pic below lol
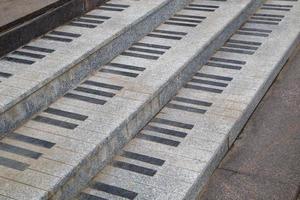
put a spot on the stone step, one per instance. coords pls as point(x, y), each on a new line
point(173, 156)
point(56, 153)
point(36, 74)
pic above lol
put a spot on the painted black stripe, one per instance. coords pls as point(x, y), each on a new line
point(84, 98)
point(277, 5)
point(199, 9)
point(239, 51)
point(266, 19)
point(146, 50)
point(110, 9)
point(13, 164)
point(238, 46)
point(158, 140)
point(262, 22)
point(226, 66)
point(244, 42)
point(103, 85)
point(143, 158)
point(18, 60)
point(85, 196)
point(31, 140)
point(92, 21)
point(114, 190)
point(58, 39)
point(152, 45)
point(55, 122)
point(111, 71)
point(5, 75)
point(96, 16)
point(223, 78)
point(27, 54)
point(252, 34)
point(180, 24)
point(268, 15)
point(19, 151)
point(256, 30)
point(185, 108)
point(184, 20)
point(270, 8)
point(130, 67)
point(116, 5)
point(207, 89)
point(67, 114)
point(82, 25)
point(137, 55)
point(95, 92)
point(169, 32)
point(172, 123)
point(190, 16)
point(165, 131)
point(203, 6)
point(67, 34)
point(225, 60)
point(192, 101)
point(206, 82)
point(39, 49)
point(164, 36)
point(134, 168)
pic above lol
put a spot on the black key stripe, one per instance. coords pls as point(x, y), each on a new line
point(5, 75)
point(82, 25)
point(66, 114)
point(238, 51)
point(18, 60)
point(19, 151)
point(143, 158)
point(91, 21)
point(164, 36)
point(190, 16)
point(30, 140)
point(172, 123)
point(180, 24)
point(123, 66)
point(103, 85)
point(185, 108)
point(244, 42)
point(158, 140)
point(39, 49)
point(121, 73)
point(225, 66)
point(206, 82)
point(166, 131)
point(94, 92)
point(185, 20)
point(238, 46)
point(27, 54)
point(211, 76)
point(134, 168)
point(225, 60)
point(13, 164)
point(96, 17)
point(137, 49)
point(66, 34)
point(55, 122)
point(58, 39)
point(170, 32)
point(137, 55)
point(151, 45)
point(114, 190)
point(85, 99)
